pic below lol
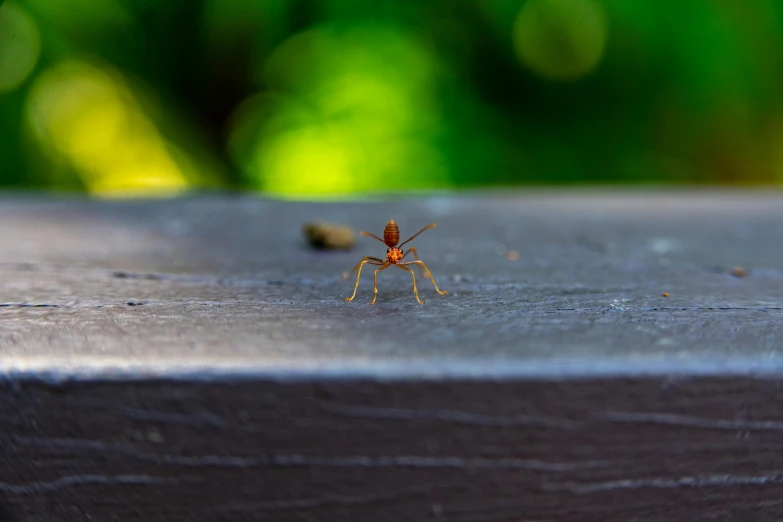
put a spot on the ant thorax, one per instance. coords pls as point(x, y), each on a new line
point(394, 254)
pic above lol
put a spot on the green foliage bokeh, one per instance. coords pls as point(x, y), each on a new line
point(323, 98)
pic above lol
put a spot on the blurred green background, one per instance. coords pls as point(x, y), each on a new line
point(334, 98)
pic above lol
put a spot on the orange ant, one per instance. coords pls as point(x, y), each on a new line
point(394, 256)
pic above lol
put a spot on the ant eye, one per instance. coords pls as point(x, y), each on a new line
point(388, 250)
point(400, 251)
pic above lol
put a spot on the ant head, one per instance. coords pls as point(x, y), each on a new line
point(394, 254)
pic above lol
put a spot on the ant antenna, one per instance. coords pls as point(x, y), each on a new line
point(431, 225)
point(372, 235)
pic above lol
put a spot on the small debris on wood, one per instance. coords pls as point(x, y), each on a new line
point(329, 236)
point(738, 271)
point(502, 250)
point(459, 278)
point(591, 243)
point(155, 435)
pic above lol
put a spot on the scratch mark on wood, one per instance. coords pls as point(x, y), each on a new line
point(663, 483)
point(197, 279)
point(715, 309)
point(335, 500)
point(300, 460)
point(194, 419)
point(692, 422)
point(637, 309)
point(445, 415)
point(29, 305)
point(32, 488)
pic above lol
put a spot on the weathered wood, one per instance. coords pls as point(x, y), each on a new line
point(195, 360)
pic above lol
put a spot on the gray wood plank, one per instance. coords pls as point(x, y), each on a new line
point(195, 360)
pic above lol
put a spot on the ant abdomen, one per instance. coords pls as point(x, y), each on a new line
point(391, 234)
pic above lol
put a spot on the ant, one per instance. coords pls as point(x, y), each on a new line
point(394, 256)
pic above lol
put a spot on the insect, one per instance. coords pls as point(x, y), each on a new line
point(394, 257)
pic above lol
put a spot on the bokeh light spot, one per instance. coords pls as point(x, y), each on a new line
point(308, 161)
point(87, 117)
point(560, 39)
point(20, 46)
point(349, 110)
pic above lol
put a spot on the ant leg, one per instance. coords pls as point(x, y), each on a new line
point(365, 258)
point(375, 282)
point(415, 291)
point(429, 274)
point(416, 257)
point(359, 266)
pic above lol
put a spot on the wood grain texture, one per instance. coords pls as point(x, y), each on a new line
point(194, 360)
point(619, 449)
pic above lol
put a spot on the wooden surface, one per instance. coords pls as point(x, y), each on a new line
point(195, 360)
